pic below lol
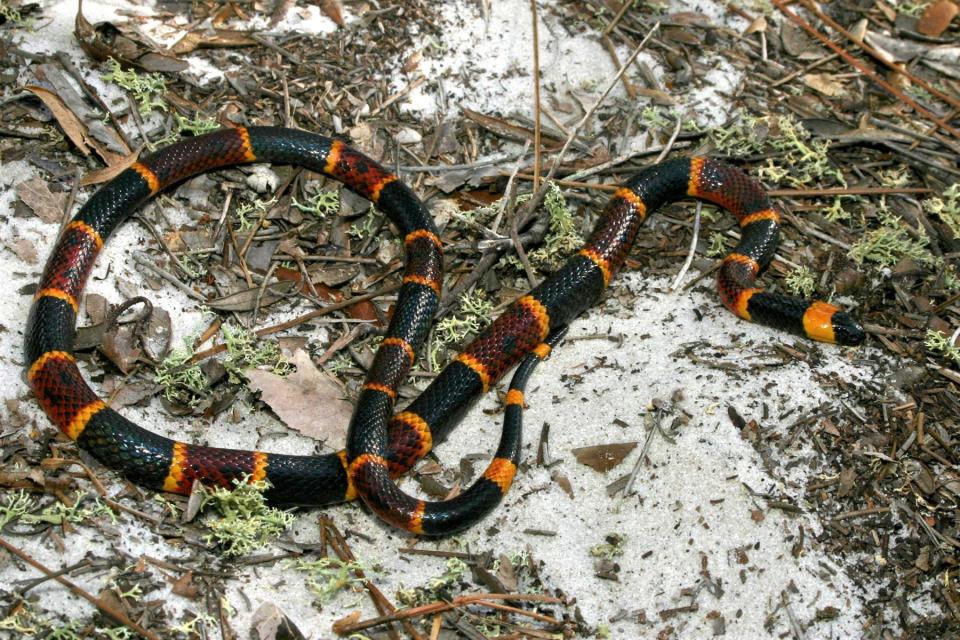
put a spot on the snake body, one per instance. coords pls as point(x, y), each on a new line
point(381, 442)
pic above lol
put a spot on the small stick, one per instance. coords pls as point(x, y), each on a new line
point(289, 324)
point(141, 259)
point(833, 24)
point(389, 101)
point(30, 584)
point(114, 614)
point(340, 547)
point(693, 248)
point(71, 198)
point(673, 138)
point(345, 628)
point(780, 4)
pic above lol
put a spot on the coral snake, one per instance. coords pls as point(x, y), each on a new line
point(382, 443)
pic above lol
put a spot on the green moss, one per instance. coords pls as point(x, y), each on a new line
point(947, 208)
point(14, 506)
point(887, 245)
point(365, 228)
point(246, 351)
point(20, 507)
point(562, 237)
point(838, 211)
point(326, 577)
point(196, 626)
point(915, 9)
point(941, 344)
point(474, 313)
point(801, 282)
point(245, 522)
point(801, 160)
point(181, 384)
point(717, 245)
point(13, 15)
point(147, 89)
point(320, 204)
point(249, 212)
point(437, 588)
point(194, 126)
point(612, 548)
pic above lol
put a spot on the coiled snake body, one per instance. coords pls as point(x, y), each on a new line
point(383, 443)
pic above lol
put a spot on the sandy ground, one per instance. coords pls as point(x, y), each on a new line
point(699, 509)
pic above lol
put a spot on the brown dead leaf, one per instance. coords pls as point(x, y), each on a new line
point(25, 250)
point(110, 172)
point(344, 622)
point(308, 400)
point(186, 587)
point(563, 482)
point(659, 97)
point(124, 43)
point(603, 457)
point(45, 204)
point(937, 18)
point(269, 623)
point(121, 346)
point(363, 310)
point(68, 121)
point(333, 9)
point(506, 575)
point(825, 83)
point(211, 39)
point(246, 299)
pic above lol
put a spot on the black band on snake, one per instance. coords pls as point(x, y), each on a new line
point(382, 443)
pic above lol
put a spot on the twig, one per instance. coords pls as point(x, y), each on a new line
point(833, 24)
point(141, 259)
point(693, 248)
point(289, 324)
point(338, 543)
point(589, 114)
point(862, 68)
point(114, 614)
point(346, 628)
point(389, 101)
point(673, 138)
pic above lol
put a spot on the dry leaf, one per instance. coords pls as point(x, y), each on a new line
point(308, 400)
point(344, 622)
point(563, 482)
point(121, 346)
point(659, 97)
point(758, 25)
point(105, 40)
point(110, 172)
point(37, 196)
point(936, 19)
point(333, 10)
point(69, 122)
point(246, 300)
point(603, 457)
point(210, 39)
point(825, 83)
point(269, 623)
point(186, 587)
point(25, 250)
